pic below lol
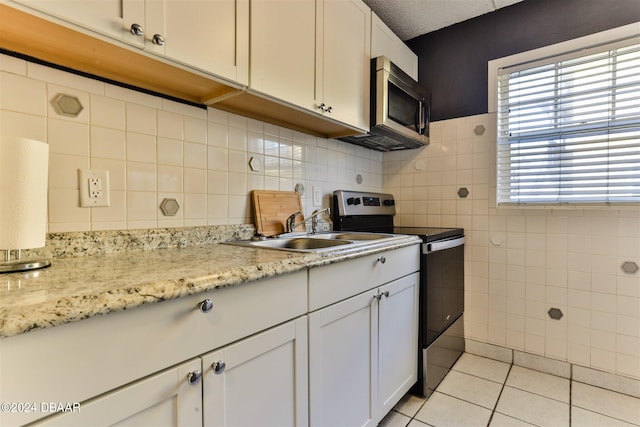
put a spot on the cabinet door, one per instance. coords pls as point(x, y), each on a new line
point(164, 399)
point(211, 35)
point(397, 341)
point(384, 42)
point(283, 55)
point(150, 22)
point(103, 16)
point(344, 74)
point(259, 381)
point(341, 362)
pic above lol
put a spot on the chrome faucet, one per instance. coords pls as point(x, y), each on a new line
point(291, 222)
point(291, 225)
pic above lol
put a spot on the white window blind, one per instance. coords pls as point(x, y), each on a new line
point(569, 128)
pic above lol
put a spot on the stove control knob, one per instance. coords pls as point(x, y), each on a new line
point(389, 202)
point(357, 201)
point(350, 201)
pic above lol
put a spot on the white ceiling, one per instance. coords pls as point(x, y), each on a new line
point(412, 18)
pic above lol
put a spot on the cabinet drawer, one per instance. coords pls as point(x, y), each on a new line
point(165, 398)
point(79, 360)
point(342, 280)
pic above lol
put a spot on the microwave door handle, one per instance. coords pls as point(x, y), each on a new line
point(419, 118)
point(421, 122)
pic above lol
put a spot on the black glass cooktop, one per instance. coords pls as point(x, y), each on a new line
point(430, 234)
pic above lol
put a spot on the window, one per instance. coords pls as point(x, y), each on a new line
point(569, 128)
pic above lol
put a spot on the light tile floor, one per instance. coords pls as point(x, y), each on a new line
point(485, 392)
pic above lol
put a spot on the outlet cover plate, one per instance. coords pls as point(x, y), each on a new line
point(317, 197)
point(94, 188)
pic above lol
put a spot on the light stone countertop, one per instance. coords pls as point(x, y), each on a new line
point(76, 288)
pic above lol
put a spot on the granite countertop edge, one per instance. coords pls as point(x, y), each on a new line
point(142, 284)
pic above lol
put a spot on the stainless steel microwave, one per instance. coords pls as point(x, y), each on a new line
point(399, 110)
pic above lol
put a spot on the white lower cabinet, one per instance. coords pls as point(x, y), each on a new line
point(164, 399)
point(397, 341)
point(342, 338)
point(259, 381)
point(363, 354)
point(331, 346)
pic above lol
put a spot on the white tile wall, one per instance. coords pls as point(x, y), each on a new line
point(155, 148)
point(521, 262)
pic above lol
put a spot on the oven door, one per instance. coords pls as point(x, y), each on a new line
point(443, 286)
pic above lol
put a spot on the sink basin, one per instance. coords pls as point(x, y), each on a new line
point(353, 236)
point(303, 244)
point(318, 242)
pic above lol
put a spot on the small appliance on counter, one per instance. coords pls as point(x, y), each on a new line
point(441, 325)
point(399, 112)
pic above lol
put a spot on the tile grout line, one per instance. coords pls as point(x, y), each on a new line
point(570, 392)
point(413, 417)
point(484, 378)
point(502, 389)
point(504, 384)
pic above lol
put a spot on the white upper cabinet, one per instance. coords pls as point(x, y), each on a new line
point(345, 53)
point(313, 54)
point(209, 35)
point(385, 42)
point(283, 55)
point(102, 16)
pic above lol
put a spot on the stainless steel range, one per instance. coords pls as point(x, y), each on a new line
point(441, 330)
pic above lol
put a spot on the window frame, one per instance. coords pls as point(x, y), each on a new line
point(529, 59)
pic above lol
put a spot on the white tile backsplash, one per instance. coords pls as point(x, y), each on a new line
point(107, 143)
point(107, 112)
point(67, 137)
point(23, 95)
point(141, 119)
point(520, 262)
point(155, 148)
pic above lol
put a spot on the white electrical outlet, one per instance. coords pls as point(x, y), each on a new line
point(94, 188)
point(317, 197)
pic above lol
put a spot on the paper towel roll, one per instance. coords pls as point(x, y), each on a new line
point(24, 165)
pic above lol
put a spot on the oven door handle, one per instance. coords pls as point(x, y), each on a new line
point(442, 245)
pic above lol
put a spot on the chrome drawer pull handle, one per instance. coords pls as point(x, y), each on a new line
point(206, 305)
point(218, 367)
point(382, 260)
point(325, 108)
point(137, 30)
point(193, 378)
point(157, 40)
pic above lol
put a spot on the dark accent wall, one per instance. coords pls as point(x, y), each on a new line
point(453, 60)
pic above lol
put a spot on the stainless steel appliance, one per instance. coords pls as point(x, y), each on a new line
point(399, 110)
point(441, 329)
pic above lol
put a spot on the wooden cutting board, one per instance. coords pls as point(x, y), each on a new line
point(272, 208)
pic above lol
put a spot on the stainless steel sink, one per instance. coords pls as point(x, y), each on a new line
point(352, 236)
point(296, 243)
point(317, 242)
